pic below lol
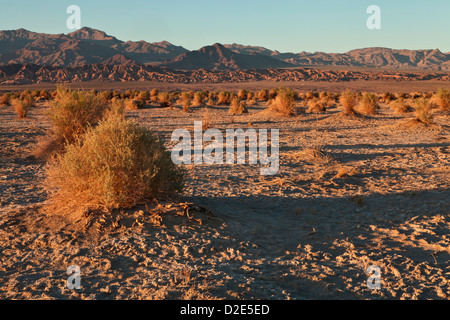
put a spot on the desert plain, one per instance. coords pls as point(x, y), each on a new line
point(351, 192)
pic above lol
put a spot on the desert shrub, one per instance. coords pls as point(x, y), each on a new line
point(348, 101)
point(186, 101)
point(198, 99)
point(133, 104)
point(106, 95)
point(250, 95)
point(423, 111)
point(402, 95)
point(165, 100)
point(263, 95)
point(237, 107)
point(116, 164)
point(21, 107)
point(5, 99)
point(154, 92)
point(324, 96)
point(251, 102)
point(400, 106)
point(311, 95)
point(443, 99)
point(27, 98)
point(115, 109)
point(242, 94)
point(427, 95)
point(143, 96)
point(223, 98)
point(73, 111)
point(36, 94)
point(316, 106)
point(369, 103)
point(45, 95)
point(388, 97)
point(284, 102)
point(273, 93)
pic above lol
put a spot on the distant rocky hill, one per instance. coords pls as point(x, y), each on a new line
point(15, 74)
point(217, 57)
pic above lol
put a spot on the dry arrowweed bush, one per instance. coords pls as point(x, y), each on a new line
point(242, 94)
point(369, 103)
point(164, 99)
point(143, 96)
point(423, 111)
point(5, 99)
point(186, 101)
point(237, 107)
point(73, 111)
point(223, 98)
point(198, 99)
point(115, 109)
point(284, 102)
point(442, 99)
point(387, 97)
point(348, 101)
point(116, 164)
point(316, 106)
point(21, 107)
point(400, 106)
point(133, 104)
point(263, 95)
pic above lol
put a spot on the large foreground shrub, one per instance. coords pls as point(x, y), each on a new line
point(116, 164)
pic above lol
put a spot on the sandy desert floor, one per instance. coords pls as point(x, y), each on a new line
point(380, 197)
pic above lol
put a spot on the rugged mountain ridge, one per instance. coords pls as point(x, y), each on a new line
point(90, 46)
point(82, 47)
point(377, 57)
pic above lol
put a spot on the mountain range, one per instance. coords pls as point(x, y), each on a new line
point(88, 46)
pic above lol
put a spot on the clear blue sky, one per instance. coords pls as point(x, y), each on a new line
point(284, 25)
